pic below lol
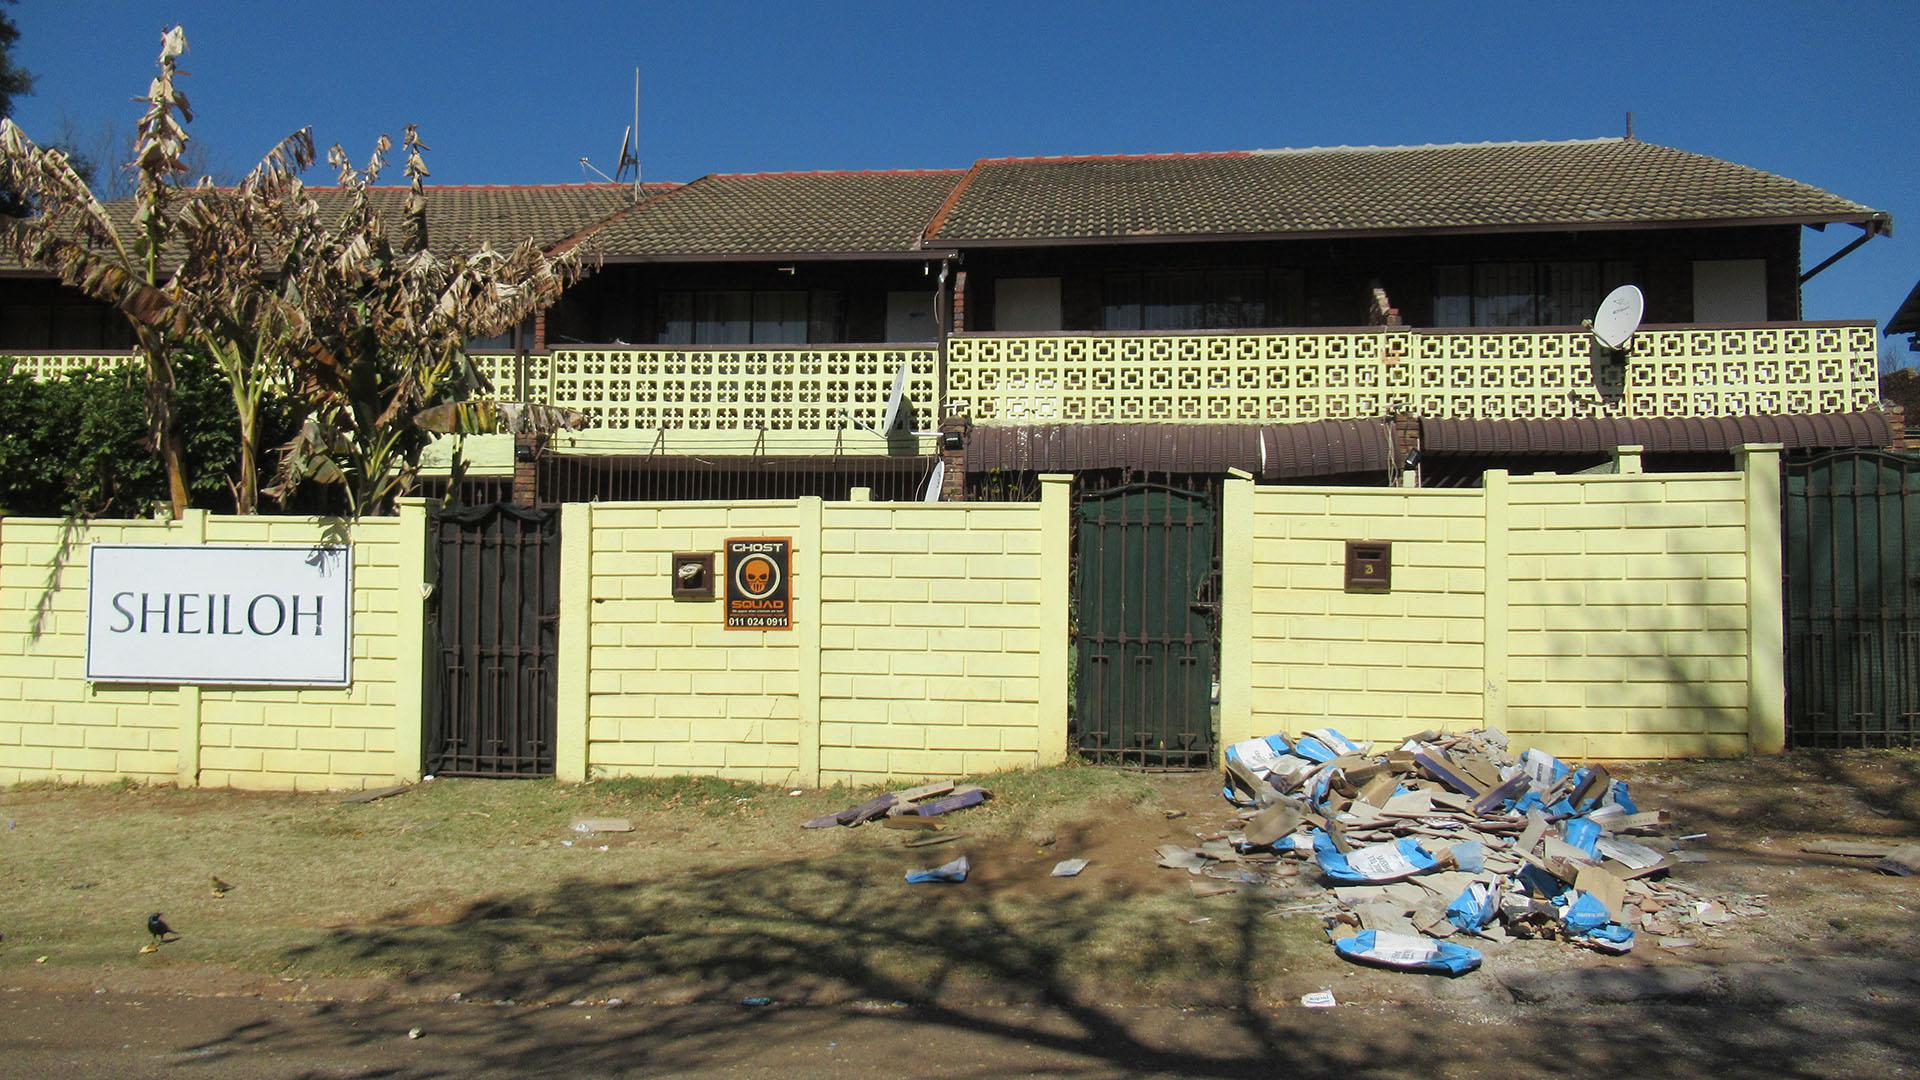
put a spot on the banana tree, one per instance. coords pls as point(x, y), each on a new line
point(231, 296)
point(71, 234)
point(377, 329)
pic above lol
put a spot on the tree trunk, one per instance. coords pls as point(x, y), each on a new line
point(246, 496)
point(166, 436)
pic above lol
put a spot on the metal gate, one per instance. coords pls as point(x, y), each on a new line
point(1852, 562)
point(495, 615)
point(1146, 622)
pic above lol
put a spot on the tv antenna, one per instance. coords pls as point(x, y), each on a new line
point(628, 156)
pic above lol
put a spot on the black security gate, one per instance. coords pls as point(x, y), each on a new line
point(1146, 624)
point(495, 615)
point(1852, 562)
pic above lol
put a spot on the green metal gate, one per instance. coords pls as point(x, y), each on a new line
point(1852, 535)
point(1146, 625)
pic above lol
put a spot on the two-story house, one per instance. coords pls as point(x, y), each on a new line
point(1365, 315)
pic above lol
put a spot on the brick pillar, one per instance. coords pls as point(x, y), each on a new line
point(953, 487)
point(1406, 441)
point(1897, 418)
point(526, 466)
point(960, 302)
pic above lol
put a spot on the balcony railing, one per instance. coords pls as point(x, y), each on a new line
point(47, 365)
point(1254, 376)
point(720, 388)
point(1264, 376)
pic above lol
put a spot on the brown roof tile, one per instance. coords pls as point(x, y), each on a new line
point(460, 218)
point(816, 213)
point(1534, 185)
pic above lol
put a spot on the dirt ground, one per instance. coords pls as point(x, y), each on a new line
point(480, 890)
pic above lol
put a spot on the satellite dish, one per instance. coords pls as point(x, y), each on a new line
point(1619, 316)
point(895, 400)
point(935, 481)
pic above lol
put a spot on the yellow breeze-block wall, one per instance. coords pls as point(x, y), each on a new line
point(54, 725)
point(1628, 624)
point(670, 690)
point(316, 739)
point(931, 622)
point(1377, 666)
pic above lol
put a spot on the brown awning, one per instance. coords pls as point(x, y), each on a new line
point(1271, 452)
point(1694, 435)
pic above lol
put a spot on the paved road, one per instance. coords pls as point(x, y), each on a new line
point(1774, 1021)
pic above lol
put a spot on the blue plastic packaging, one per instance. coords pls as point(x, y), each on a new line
point(1379, 863)
point(1406, 953)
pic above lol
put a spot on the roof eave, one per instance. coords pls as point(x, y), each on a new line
point(611, 258)
point(1874, 222)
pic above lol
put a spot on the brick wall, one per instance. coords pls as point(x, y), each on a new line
point(1607, 616)
point(1377, 666)
point(930, 639)
point(54, 725)
point(670, 690)
point(1628, 625)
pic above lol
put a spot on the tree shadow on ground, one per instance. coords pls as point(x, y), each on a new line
point(843, 948)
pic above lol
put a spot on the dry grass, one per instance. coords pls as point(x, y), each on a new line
point(475, 884)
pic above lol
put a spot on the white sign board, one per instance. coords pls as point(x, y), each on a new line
point(266, 615)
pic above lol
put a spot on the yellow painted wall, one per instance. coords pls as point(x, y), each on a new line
point(930, 639)
point(669, 689)
point(1628, 624)
point(916, 649)
point(56, 726)
point(1605, 616)
point(1376, 666)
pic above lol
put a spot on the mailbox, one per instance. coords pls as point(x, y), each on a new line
point(693, 575)
point(1369, 565)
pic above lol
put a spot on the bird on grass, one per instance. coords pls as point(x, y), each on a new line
point(162, 933)
point(220, 888)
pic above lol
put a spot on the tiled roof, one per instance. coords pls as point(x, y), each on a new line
point(1531, 185)
point(462, 217)
point(1906, 320)
point(795, 213)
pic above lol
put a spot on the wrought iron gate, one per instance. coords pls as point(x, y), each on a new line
point(496, 620)
point(1852, 561)
point(1146, 625)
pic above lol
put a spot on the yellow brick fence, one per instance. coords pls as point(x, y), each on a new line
point(1609, 616)
point(1605, 616)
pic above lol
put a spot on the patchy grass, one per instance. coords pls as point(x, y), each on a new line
point(483, 885)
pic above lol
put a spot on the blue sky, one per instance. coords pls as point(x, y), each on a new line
point(510, 91)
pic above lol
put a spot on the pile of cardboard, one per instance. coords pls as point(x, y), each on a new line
point(1445, 836)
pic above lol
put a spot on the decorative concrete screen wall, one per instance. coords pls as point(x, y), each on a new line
point(54, 725)
point(927, 640)
point(1607, 616)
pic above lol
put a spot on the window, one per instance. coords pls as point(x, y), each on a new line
point(1524, 293)
point(1201, 299)
point(749, 317)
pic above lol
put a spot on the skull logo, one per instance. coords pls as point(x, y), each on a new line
point(758, 574)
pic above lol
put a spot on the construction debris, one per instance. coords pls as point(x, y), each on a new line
point(1068, 868)
point(927, 800)
point(1450, 834)
point(954, 871)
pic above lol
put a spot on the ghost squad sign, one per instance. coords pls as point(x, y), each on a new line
point(759, 583)
point(271, 615)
